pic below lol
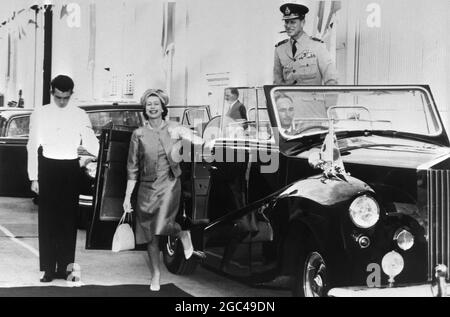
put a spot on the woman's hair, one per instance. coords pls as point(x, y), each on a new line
point(163, 97)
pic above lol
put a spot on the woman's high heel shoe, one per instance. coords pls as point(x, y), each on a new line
point(185, 237)
point(155, 288)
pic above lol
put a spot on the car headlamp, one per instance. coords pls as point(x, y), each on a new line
point(91, 169)
point(404, 239)
point(392, 264)
point(364, 212)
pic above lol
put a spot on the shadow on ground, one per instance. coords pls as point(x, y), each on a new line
point(167, 290)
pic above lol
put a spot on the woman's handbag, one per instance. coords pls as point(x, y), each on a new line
point(123, 237)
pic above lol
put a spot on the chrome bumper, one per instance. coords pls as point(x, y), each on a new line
point(85, 201)
point(425, 290)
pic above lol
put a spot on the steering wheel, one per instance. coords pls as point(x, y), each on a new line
point(314, 127)
point(212, 129)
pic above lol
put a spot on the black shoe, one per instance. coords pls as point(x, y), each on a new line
point(61, 275)
point(47, 278)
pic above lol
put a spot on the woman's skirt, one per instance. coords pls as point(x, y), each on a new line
point(157, 206)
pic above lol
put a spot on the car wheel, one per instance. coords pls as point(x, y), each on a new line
point(174, 259)
point(311, 279)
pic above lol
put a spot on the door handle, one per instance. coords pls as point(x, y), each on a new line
point(213, 168)
point(106, 165)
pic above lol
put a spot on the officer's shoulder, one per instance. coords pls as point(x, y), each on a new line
point(282, 42)
point(316, 39)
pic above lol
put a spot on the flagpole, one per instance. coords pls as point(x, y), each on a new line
point(36, 10)
point(186, 70)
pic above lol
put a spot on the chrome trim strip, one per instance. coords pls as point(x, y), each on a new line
point(438, 195)
point(84, 200)
point(428, 165)
point(430, 219)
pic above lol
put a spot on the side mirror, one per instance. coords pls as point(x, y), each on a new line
point(314, 160)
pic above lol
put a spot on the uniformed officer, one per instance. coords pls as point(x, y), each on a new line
point(301, 60)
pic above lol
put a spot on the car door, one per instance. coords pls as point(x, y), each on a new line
point(110, 185)
point(14, 180)
point(227, 155)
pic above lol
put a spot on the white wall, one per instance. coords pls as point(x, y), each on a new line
point(411, 46)
point(127, 42)
point(22, 35)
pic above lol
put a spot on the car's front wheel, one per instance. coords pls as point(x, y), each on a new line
point(174, 259)
point(311, 279)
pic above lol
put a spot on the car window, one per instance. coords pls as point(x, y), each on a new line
point(18, 127)
point(243, 122)
point(196, 118)
point(263, 123)
point(130, 118)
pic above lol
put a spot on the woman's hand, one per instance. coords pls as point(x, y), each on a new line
point(127, 205)
point(35, 186)
point(176, 152)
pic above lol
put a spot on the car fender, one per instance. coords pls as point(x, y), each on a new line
point(326, 191)
point(297, 211)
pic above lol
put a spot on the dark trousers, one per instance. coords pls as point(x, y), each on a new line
point(59, 183)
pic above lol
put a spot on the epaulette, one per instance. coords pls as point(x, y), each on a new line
point(282, 42)
point(316, 39)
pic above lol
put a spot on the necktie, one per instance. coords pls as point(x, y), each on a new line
point(294, 48)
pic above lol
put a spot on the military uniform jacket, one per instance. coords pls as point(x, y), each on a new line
point(311, 65)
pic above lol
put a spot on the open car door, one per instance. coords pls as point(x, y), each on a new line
point(110, 185)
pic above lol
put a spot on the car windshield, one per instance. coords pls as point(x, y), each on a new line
point(18, 127)
point(302, 112)
point(129, 118)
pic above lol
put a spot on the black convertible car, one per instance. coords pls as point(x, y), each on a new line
point(325, 190)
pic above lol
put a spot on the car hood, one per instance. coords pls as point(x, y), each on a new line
point(386, 151)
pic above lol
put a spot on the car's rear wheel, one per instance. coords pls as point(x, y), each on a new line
point(174, 259)
point(311, 279)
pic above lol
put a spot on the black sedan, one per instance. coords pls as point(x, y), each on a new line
point(321, 189)
point(14, 129)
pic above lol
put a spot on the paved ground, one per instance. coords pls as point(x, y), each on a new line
point(19, 261)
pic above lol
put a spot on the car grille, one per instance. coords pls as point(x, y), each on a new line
point(438, 201)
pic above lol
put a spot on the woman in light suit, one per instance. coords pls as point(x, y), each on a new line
point(152, 161)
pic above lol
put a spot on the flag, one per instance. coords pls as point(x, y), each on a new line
point(92, 35)
point(168, 28)
point(330, 153)
point(326, 14)
point(63, 12)
point(8, 70)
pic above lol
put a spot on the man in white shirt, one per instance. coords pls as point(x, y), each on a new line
point(59, 128)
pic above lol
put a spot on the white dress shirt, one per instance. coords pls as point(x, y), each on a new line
point(60, 131)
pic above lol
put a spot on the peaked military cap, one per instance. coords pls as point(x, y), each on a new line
point(293, 11)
